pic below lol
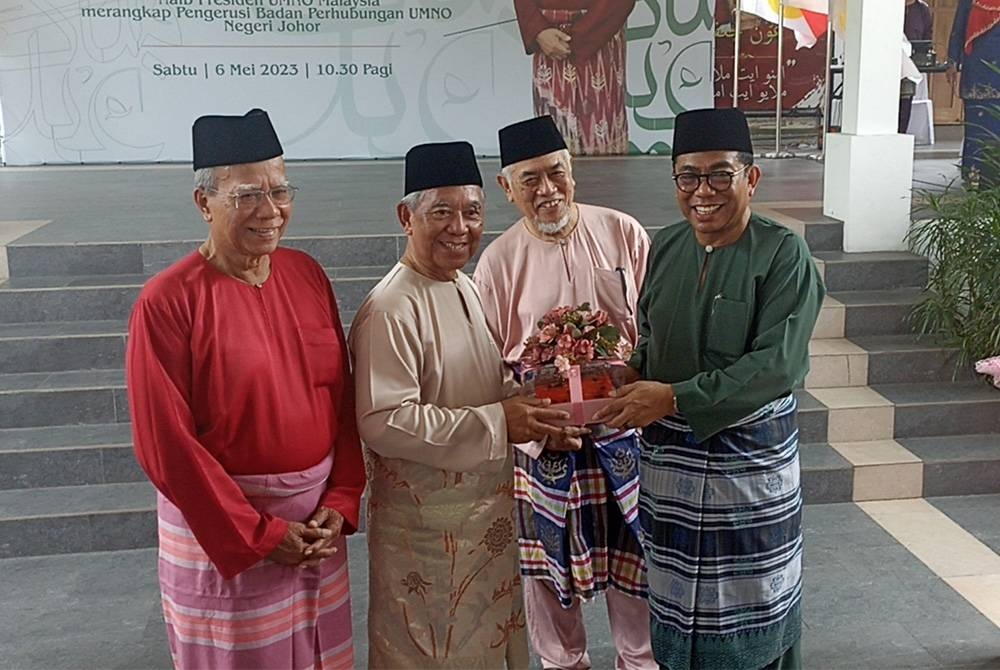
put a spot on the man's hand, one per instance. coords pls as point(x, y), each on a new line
point(571, 439)
point(528, 419)
point(554, 43)
point(327, 522)
point(637, 405)
point(291, 550)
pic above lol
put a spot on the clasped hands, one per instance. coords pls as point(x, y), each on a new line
point(307, 544)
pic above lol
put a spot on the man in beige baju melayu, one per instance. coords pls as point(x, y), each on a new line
point(437, 410)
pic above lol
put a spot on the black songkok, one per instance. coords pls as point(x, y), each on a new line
point(232, 140)
point(441, 164)
point(711, 130)
point(529, 139)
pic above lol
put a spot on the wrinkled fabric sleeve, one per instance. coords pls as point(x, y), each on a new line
point(530, 21)
point(347, 478)
point(158, 362)
point(788, 302)
point(595, 28)
point(394, 421)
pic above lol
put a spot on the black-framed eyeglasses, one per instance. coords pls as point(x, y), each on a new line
point(281, 196)
point(718, 180)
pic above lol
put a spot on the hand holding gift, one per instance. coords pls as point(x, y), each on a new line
point(575, 361)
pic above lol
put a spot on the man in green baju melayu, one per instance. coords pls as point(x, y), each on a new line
point(725, 316)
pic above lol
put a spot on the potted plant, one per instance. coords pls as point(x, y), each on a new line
point(958, 229)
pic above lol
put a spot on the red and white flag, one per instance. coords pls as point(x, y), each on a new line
point(807, 18)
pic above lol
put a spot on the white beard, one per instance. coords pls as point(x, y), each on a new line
point(552, 228)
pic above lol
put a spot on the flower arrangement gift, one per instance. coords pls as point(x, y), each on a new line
point(575, 360)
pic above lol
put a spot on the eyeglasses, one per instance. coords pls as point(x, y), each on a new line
point(281, 196)
point(718, 180)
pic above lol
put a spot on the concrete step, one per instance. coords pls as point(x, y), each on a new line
point(67, 456)
point(909, 358)
point(872, 271)
point(893, 411)
point(820, 232)
point(333, 251)
point(70, 519)
point(62, 398)
point(883, 359)
point(66, 345)
point(873, 312)
point(147, 258)
point(937, 409)
point(34, 299)
point(896, 469)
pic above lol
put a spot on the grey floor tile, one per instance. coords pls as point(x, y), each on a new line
point(977, 514)
point(62, 467)
point(76, 500)
point(15, 439)
point(64, 328)
point(22, 381)
point(953, 448)
point(79, 379)
point(56, 408)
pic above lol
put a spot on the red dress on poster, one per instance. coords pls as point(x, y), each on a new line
point(584, 89)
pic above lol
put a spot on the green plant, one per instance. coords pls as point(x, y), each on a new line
point(959, 231)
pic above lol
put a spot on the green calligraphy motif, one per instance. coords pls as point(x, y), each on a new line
point(705, 16)
point(679, 72)
point(635, 33)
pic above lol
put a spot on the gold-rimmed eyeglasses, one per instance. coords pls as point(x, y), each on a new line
point(718, 180)
point(281, 196)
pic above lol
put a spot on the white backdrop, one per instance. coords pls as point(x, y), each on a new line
point(98, 81)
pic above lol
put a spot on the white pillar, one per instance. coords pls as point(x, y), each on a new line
point(868, 168)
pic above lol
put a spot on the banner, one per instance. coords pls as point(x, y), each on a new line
point(758, 75)
point(103, 81)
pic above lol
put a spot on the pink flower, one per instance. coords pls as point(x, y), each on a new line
point(565, 343)
point(600, 317)
point(549, 333)
point(585, 350)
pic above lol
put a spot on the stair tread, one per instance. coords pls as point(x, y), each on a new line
point(61, 381)
point(65, 437)
point(883, 297)
point(900, 342)
point(867, 256)
point(64, 282)
point(924, 393)
point(54, 329)
point(951, 448)
point(54, 282)
point(76, 500)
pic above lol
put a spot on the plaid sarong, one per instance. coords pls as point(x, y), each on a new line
point(578, 518)
point(722, 522)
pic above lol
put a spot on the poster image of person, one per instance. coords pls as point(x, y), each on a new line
point(578, 69)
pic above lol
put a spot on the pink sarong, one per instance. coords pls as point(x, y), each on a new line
point(268, 616)
point(586, 100)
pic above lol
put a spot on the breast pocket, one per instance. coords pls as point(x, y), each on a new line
point(727, 327)
point(323, 355)
point(611, 292)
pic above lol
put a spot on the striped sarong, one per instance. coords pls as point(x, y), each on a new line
point(268, 616)
point(723, 540)
point(578, 518)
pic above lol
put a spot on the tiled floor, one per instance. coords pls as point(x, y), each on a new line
point(912, 584)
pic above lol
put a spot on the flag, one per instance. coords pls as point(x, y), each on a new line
point(806, 18)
